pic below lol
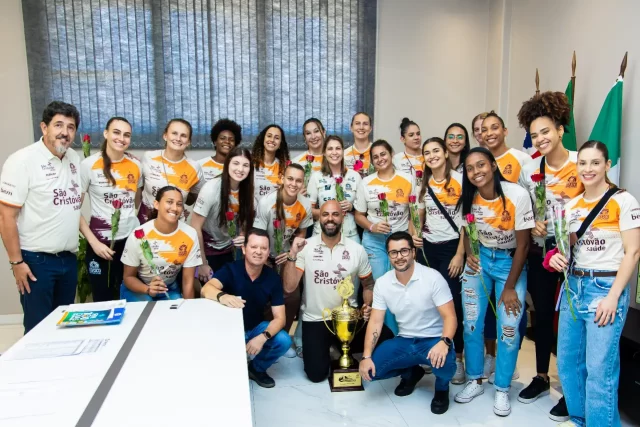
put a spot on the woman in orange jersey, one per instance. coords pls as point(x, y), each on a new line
point(410, 160)
point(501, 214)
point(358, 156)
point(270, 154)
point(440, 235)
point(604, 223)
point(172, 247)
point(313, 133)
point(112, 179)
point(382, 208)
point(225, 136)
point(552, 181)
point(458, 145)
point(170, 166)
point(223, 211)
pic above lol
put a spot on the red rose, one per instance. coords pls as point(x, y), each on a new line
point(310, 158)
point(86, 138)
point(338, 180)
point(230, 215)
point(139, 233)
point(537, 177)
point(382, 196)
point(358, 165)
point(276, 223)
point(412, 198)
point(117, 204)
point(470, 218)
point(418, 174)
point(287, 163)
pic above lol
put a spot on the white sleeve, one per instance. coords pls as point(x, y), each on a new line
point(194, 258)
point(201, 181)
point(262, 215)
point(301, 257)
point(85, 175)
point(629, 212)
point(312, 189)
point(422, 203)
point(14, 186)
point(379, 302)
point(141, 178)
point(361, 198)
point(205, 200)
point(524, 212)
point(364, 268)
point(441, 293)
point(307, 221)
point(132, 254)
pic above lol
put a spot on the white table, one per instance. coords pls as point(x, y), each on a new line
point(187, 368)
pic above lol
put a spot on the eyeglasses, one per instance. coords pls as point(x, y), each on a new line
point(458, 137)
point(404, 252)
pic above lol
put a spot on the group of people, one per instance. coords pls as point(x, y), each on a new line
point(442, 241)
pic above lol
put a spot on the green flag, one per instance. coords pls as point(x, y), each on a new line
point(569, 137)
point(608, 128)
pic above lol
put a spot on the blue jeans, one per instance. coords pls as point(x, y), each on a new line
point(490, 326)
point(55, 285)
point(272, 349)
point(589, 355)
point(496, 265)
point(399, 355)
point(173, 291)
point(375, 245)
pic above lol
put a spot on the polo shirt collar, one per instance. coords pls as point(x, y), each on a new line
point(44, 151)
point(341, 242)
point(414, 277)
point(239, 264)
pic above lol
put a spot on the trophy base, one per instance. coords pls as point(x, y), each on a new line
point(341, 379)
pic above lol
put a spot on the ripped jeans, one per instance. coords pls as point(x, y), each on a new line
point(496, 265)
point(589, 355)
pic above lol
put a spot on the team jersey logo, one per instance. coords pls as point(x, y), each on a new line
point(131, 179)
point(572, 182)
point(184, 178)
point(451, 192)
point(508, 170)
point(73, 168)
point(604, 214)
point(346, 256)
point(399, 193)
point(182, 251)
point(298, 216)
point(506, 217)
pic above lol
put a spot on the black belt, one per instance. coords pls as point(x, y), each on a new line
point(578, 272)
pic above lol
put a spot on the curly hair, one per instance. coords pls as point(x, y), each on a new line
point(282, 153)
point(226, 124)
point(554, 105)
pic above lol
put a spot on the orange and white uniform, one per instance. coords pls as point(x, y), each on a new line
point(214, 237)
point(436, 228)
point(210, 168)
point(397, 189)
point(407, 163)
point(315, 165)
point(511, 164)
point(352, 155)
point(128, 175)
point(562, 185)
point(601, 245)
point(266, 179)
point(497, 224)
point(171, 252)
point(158, 172)
point(297, 216)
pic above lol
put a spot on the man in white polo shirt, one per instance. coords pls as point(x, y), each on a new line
point(325, 259)
point(40, 215)
point(420, 299)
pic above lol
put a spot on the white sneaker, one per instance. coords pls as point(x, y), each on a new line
point(567, 424)
point(471, 390)
point(291, 353)
point(501, 405)
point(514, 377)
point(459, 376)
point(489, 366)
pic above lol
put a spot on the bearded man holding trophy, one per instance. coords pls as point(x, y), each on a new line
point(330, 263)
point(421, 301)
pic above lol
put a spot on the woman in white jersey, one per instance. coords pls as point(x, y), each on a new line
point(270, 154)
point(410, 160)
point(440, 239)
point(225, 136)
point(173, 248)
point(458, 145)
point(112, 179)
point(226, 202)
point(358, 156)
point(313, 134)
point(503, 219)
point(592, 314)
point(323, 184)
point(170, 166)
point(394, 188)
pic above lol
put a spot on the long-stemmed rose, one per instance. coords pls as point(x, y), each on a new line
point(561, 233)
point(232, 228)
point(339, 190)
point(474, 243)
point(115, 225)
point(418, 175)
point(541, 202)
point(371, 168)
point(86, 145)
point(84, 287)
point(415, 219)
point(384, 206)
point(147, 253)
point(278, 236)
point(308, 168)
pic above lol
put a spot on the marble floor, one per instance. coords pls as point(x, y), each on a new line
point(297, 402)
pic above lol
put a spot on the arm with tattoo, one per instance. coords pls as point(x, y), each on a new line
point(367, 289)
point(374, 328)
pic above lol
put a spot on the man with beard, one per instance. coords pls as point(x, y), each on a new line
point(325, 259)
point(40, 215)
point(420, 299)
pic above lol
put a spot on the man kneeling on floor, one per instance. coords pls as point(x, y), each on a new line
point(420, 299)
point(249, 284)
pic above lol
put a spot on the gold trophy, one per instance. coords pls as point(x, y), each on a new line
point(342, 376)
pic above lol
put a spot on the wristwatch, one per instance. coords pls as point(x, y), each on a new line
point(291, 259)
point(267, 335)
point(447, 341)
point(365, 357)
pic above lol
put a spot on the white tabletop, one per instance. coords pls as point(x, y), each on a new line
point(187, 367)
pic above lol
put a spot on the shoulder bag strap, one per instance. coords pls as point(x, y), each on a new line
point(595, 211)
point(442, 209)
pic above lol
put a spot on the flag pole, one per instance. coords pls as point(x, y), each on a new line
point(573, 77)
point(623, 66)
point(537, 82)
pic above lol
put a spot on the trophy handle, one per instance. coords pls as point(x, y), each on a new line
point(324, 319)
point(361, 324)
